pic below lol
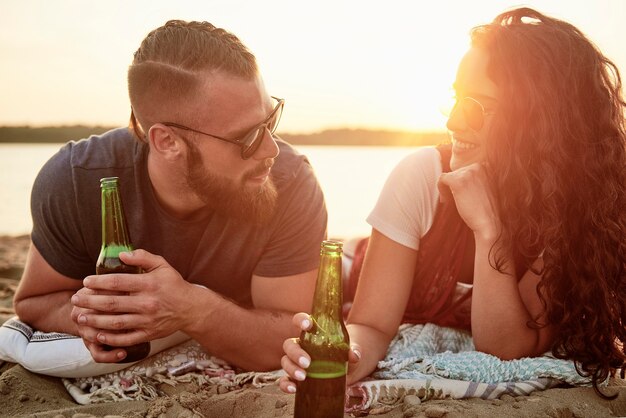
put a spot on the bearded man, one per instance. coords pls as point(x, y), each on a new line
point(213, 198)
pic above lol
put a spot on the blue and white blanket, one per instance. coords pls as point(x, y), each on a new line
point(429, 361)
point(435, 362)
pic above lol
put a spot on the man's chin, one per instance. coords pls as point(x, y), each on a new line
point(262, 203)
point(255, 186)
point(255, 203)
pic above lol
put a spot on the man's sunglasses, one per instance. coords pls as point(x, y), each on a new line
point(473, 111)
point(252, 140)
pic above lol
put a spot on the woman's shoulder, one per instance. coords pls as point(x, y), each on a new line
point(424, 162)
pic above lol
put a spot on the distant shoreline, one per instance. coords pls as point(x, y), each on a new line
point(344, 137)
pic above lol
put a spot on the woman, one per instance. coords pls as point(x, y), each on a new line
point(517, 231)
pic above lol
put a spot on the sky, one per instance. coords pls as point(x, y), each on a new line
point(355, 64)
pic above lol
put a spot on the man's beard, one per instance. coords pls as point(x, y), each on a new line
point(227, 197)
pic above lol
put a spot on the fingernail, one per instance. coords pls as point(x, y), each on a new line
point(357, 353)
point(86, 281)
point(304, 362)
point(291, 389)
point(300, 375)
point(74, 299)
point(120, 355)
point(82, 319)
point(101, 338)
point(127, 253)
point(306, 324)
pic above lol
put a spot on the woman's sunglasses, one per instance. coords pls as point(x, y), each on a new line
point(473, 112)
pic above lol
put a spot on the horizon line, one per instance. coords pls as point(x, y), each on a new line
point(311, 132)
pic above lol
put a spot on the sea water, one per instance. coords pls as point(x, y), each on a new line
point(351, 178)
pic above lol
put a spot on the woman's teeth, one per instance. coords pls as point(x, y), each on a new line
point(463, 145)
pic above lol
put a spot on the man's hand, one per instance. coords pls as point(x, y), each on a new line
point(126, 309)
point(89, 334)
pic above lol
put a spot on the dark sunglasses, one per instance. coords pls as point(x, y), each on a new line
point(473, 111)
point(252, 140)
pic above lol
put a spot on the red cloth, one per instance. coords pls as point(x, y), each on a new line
point(439, 262)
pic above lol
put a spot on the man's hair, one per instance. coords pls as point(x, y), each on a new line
point(557, 160)
point(167, 69)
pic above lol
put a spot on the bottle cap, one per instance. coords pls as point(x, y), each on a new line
point(332, 245)
point(108, 181)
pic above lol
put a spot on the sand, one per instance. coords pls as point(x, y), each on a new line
point(23, 393)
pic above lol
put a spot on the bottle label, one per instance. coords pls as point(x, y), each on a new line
point(323, 369)
point(113, 250)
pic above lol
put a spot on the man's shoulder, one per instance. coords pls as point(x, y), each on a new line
point(114, 148)
point(289, 164)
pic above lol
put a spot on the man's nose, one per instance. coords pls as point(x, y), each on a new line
point(268, 147)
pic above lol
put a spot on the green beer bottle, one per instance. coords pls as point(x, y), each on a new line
point(323, 392)
point(116, 239)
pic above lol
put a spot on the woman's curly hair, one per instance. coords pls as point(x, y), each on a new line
point(557, 158)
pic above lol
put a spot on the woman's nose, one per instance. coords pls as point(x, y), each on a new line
point(456, 120)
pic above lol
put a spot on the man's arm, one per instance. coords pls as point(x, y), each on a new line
point(252, 339)
point(43, 296)
point(159, 302)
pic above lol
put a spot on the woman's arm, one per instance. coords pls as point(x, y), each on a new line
point(502, 306)
point(502, 309)
point(380, 301)
point(378, 307)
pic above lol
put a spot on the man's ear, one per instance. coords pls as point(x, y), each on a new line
point(163, 141)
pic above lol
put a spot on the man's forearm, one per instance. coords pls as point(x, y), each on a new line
point(48, 313)
point(248, 338)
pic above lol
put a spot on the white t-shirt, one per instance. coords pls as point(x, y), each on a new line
point(405, 209)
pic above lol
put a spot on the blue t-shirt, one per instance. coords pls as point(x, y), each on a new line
point(217, 252)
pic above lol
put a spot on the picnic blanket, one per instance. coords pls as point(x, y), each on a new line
point(186, 362)
point(436, 362)
point(173, 359)
point(428, 361)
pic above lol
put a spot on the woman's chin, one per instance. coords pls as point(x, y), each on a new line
point(463, 158)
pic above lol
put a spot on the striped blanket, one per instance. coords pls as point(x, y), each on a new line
point(428, 361)
point(435, 362)
point(185, 363)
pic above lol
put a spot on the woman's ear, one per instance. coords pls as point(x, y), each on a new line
point(163, 141)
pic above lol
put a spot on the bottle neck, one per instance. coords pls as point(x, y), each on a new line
point(114, 228)
point(328, 299)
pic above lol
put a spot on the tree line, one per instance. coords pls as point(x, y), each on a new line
point(357, 137)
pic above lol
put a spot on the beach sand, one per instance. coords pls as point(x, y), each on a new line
point(23, 393)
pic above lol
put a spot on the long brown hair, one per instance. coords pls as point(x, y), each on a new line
point(166, 69)
point(557, 155)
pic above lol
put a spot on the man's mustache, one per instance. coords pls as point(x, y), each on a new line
point(261, 168)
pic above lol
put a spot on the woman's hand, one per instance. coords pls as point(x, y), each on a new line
point(473, 198)
point(296, 360)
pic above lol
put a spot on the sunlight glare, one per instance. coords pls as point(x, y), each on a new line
point(337, 64)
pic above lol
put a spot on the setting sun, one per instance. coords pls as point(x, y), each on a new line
point(337, 64)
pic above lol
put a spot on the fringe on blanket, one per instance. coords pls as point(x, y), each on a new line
point(377, 393)
point(428, 361)
point(184, 363)
point(434, 362)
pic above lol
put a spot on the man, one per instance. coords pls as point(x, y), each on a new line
point(207, 187)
